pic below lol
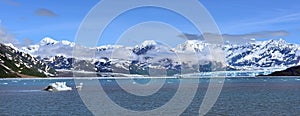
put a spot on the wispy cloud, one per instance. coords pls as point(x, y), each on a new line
point(45, 12)
point(263, 22)
point(279, 19)
point(238, 38)
point(13, 3)
point(27, 41)
point(65, 26)
point(7, 38)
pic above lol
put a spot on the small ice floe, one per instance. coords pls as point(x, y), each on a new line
point(178, 76)
point(79, 87)
point(283, 79)
point(169, 82)
point(58, 86)
point(5, 83)
point(297, 79)
point(14, 81)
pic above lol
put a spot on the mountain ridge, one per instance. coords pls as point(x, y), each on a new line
point(14, 63)
point(150, 54)
point(292, 71)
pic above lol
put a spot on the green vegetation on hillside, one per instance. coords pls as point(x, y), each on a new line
point(14, 64)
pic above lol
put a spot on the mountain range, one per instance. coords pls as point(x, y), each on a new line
point(154, 58)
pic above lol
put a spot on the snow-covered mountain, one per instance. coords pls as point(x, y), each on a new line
point(192, 55)
point(49, 47)
point(14, 63)
point(263, 54)
point(251, 56)
point(192, 46)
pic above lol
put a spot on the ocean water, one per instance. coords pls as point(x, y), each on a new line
point(239, 96)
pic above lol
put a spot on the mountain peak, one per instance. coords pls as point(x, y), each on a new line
point(280, 41)
point(48, 41)
point(11, 45)
point(66, 42)
point(192, 46)
point(149, 42)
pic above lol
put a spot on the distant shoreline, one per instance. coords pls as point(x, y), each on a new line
point(97, 78)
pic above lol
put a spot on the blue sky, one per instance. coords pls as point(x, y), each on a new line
point(60, 19)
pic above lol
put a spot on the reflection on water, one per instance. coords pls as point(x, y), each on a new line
point(240, 96)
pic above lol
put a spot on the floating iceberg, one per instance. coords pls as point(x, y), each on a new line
point(79, 87)
point(58, 86)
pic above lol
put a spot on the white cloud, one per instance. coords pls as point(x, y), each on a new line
point(6, 37)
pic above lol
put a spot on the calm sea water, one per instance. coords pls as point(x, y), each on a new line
point(239, 96)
